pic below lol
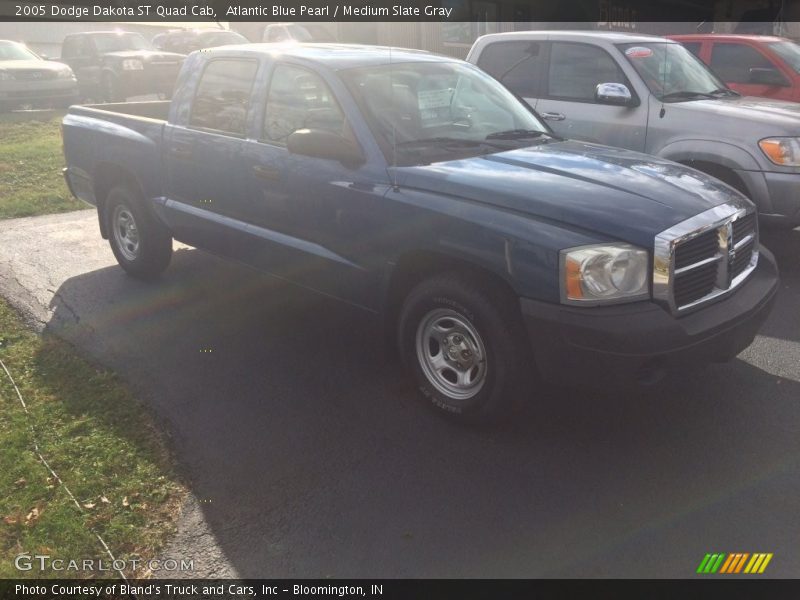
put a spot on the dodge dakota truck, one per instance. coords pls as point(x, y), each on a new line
point(418, 188)
point(652, 95)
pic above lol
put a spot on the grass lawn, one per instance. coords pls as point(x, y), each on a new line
point(30, 169)
point(97, 438)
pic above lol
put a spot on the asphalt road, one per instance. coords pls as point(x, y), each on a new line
point(309, 454)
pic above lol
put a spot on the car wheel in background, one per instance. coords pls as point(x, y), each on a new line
point(109, 89)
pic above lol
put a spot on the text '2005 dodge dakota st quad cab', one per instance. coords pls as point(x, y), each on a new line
point(417, 187)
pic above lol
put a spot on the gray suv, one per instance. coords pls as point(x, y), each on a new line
point(650, 94)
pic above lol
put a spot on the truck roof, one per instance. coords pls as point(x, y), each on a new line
point(108, 32)
point(729, 37)
point(612, 37)
point(334, 56)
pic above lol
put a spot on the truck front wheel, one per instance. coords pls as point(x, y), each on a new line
point(141, 245)
point(464, 346)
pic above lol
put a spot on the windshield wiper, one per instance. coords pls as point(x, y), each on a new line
point(686, 94)
point(724, 92)
point(516, 134)
point(443, 141)
point(452, 142)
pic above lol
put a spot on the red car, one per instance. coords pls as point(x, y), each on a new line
point(753, 65)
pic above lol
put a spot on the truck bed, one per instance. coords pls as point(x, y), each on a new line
point(157, 109)
point(125, 133)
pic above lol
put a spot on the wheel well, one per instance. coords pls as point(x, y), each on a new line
point(724, 174)
point(106, 177)
point(414, 267)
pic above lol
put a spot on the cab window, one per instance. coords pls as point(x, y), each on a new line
point(223, 96)
point(577, 69)
point(517, 65)
point(299, 99)
point(732, 62)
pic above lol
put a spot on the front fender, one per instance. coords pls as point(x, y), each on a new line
point(721, 153)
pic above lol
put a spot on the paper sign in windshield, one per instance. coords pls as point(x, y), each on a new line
point(430, 99)
point(639, 52)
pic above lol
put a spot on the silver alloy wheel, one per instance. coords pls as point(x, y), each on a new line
point(451, 353)
point(125, 232)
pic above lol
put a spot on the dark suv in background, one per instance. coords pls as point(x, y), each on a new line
point(111, 66)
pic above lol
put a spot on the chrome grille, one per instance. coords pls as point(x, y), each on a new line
point(696, 249)
point(33, 74)
point(705, 257)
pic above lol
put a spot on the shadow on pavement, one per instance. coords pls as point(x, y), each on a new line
point(313, 457)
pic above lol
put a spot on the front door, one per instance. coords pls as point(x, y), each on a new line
point(733, 63)
point(312, 218)
point(568, 104)
point(79, 53)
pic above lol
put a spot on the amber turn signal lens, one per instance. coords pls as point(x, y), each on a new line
point(775, 150)
point(574, 288)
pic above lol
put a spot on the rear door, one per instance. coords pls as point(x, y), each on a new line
point(568, 104)
point(204, 180)
point(733, 62)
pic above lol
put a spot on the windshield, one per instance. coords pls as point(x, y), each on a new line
point(114, 42)
point(789, 52)
point(427, 111)
point(222, 38)
point(15, 51)
point(671, 72)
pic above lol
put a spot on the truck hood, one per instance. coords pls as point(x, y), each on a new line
point(146, 55)
point(771, 113)
point(614, 192)
point(31, 65)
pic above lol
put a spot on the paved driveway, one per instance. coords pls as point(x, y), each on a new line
point(310, 456)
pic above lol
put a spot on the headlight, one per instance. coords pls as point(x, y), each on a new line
point(604, 274)
point(66, 74)
point(783, 151)
point(132, 64)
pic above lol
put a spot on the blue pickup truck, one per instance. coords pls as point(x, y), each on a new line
point(417, 187)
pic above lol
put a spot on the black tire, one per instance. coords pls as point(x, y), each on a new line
point(152, 251)
point(493, 315)
point(109, 89)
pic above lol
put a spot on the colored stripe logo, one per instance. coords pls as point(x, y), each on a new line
point(738, 562)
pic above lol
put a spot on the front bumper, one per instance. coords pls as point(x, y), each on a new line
point(784, 193)
point(79, 185)
point(60, 91)
point(605, 346)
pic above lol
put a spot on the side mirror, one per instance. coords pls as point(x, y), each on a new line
point(325, 144)
point(617, 94)
point(767, 76)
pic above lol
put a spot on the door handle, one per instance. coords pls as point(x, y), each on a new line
point(553, 116)
point(266, 173)
point(181, 151)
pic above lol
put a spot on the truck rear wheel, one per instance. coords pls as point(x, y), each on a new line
point(141, 245)
point(463, 344)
